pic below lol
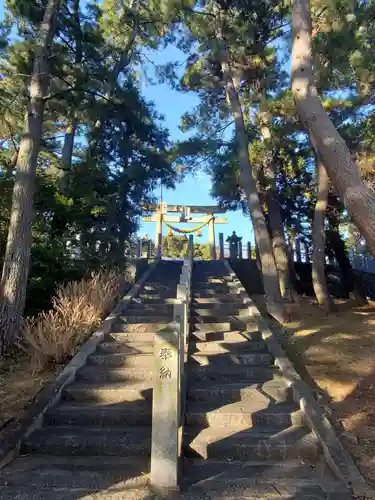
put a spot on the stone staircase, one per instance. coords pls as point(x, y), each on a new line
point(96, 442)
point(244, 437)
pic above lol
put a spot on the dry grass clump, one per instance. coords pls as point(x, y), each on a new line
point(52, 337)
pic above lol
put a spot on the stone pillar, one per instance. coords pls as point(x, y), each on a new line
point(249, 250)
point(211, 237)
point(138, 249)
point(221, 246)
point(159, 235)
point(148, 246)
point(240, 249)
point(191, 247)
point(165, 409)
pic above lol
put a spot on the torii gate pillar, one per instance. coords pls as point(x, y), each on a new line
point(159, 234)
point(211, 237)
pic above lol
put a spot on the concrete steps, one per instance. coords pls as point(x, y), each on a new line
point(110, 392)
point(130, 348)
point(121, 359)
point(244, 413)
point(90, 473)
point(252, 444)
point(228, 309)
point(96, 442)
point(244, 437)
point(261, 392)
point(108, 373)
point(238, 347)
point(227, 336)
point(89, 441)
point(100, 414)
point(139, 327)
point(276, 488)
point(231, 373)
point(25, 493)
point(289, 477)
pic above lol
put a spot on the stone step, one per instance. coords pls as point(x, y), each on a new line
point(102, 373)
point(161, 282)
point(198, 471)
point(122, 359)
point(227, 347)
point(222, 309)
point(82, 441)
point(259, 391)
point(251, 489)
point(127, 337)
point(93, 474)
point(206, 293)
point(236, 321)
point(119, 327)
point(231, 373)
point(158, 314)
point(115, 392)
point(143, 317)
point(250, 413)
point(136, 413)
point(158, 296)
point(157, 288)
point(138, 301)
point(228, 336)
point(148, 308)
point(144, 298)
point(27, 493)
point(208, 279)
point(220, 299)
point(228, 359)
point(126, 347)
point(226, 326)
point(215, 287)
point(251, 444)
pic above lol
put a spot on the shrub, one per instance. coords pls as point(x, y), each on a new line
point(52, 337)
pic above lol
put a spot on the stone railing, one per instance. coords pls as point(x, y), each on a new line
point(168, 410)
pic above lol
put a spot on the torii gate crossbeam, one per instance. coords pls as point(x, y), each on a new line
point(160, 215)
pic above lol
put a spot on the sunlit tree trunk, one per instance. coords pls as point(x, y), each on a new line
point(274, 213)
point(332, 149)
point(17, 254)
point(319, 279)
point(269, 270)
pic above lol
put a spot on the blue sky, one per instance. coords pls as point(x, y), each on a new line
point(193, 190)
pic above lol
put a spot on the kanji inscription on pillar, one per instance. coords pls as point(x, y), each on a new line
point(164, 372)
point(165, 353)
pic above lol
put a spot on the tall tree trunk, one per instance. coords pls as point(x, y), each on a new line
point(269, 271)
point(274, 213)
point(17, 254)
point(278, 243)
point(319, 279)
point(332, 149)
point(67, 152)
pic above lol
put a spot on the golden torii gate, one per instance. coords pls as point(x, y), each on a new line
point(159, 215)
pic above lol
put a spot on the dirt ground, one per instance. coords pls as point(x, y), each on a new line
point(20, 382)
point(335, 354)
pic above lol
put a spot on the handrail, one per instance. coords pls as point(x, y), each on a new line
point(168, 411)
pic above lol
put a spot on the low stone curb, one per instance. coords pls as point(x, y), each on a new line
point(335, 454)
point(51, 392)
